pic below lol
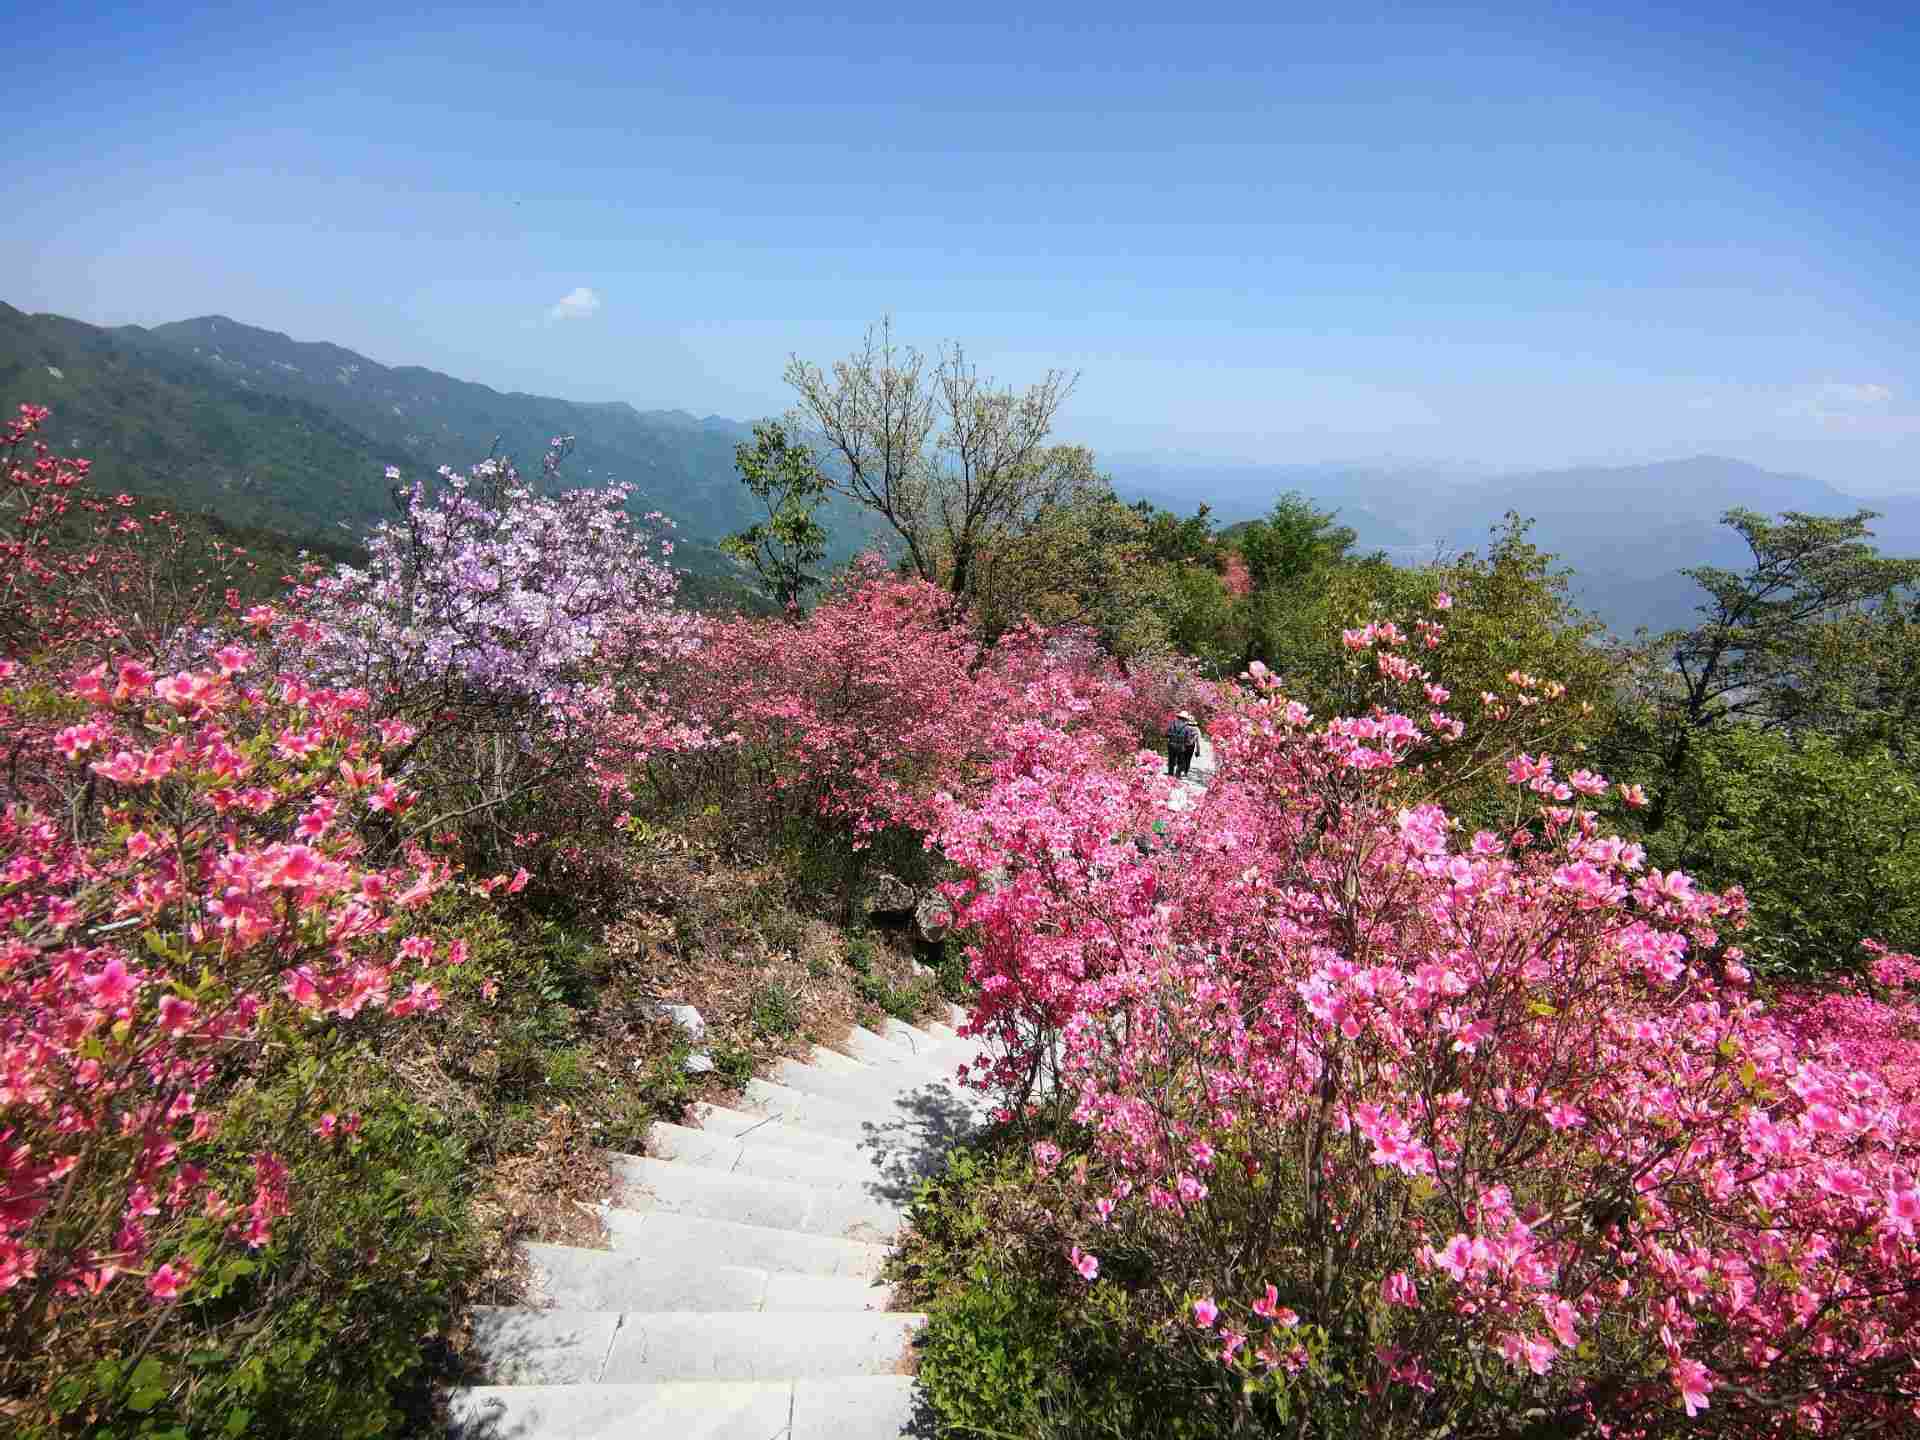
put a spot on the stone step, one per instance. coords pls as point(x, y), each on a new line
point(766, 1156)
point(662, 1237)
point(935, 1035)
point(901, 1046)
point(611, 1347)
point(786, 1128)
point(833, 1061)
point(852, 1407)
point(848, 1212)
point(922, 1129)
point(876, 1056)
point(570, 1278)
point(898, 1155)
point(878, 1093)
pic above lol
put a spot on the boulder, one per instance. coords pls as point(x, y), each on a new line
point(891, 896)
point(932, 916)
point(686, 1017)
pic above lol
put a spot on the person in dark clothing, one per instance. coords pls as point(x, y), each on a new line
point(1183, 741)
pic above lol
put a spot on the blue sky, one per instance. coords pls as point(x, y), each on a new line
point(1507, 235)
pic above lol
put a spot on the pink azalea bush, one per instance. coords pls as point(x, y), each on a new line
point(880, 699)
point(202, 889)
point(224, 887)
point(1429, 1131)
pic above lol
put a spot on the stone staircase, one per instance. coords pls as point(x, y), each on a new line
point(740, 1299)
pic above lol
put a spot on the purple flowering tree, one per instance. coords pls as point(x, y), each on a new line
point(505, 623)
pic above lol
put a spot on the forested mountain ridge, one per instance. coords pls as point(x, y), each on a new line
point(680, 464)
point(263, 430)
point(162, 425)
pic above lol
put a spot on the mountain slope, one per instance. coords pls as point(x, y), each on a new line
point(159, 425)
point(263, 430)
point(679, 465)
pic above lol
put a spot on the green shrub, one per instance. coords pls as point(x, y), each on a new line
point(860, 954)
point(1825, 842)
point(734, 1063)
point(775, 1011)
point(319, 1333)
point(1017, 1345)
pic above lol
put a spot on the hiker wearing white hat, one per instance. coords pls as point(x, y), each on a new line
point(1183, 740)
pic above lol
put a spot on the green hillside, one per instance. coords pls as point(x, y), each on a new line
point(679, 465)
point(161, 425)
point(263, 431)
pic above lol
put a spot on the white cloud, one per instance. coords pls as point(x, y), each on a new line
point(1849, 405)
point(577, 304)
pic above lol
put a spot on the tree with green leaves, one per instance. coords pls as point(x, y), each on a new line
point(782, 549)
point(1825, 840)
point(955, 464)
point(1789, 643)
point(1291, 556)
point(1293, 541)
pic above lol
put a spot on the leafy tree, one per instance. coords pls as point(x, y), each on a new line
point(1076, 562)
point(1826, 843)
point(953, 463)
point(1779, 642)
point(1171, 539)
point(787, 482)
point(1750, 656)
point(1295, 540)
point(1290, 558)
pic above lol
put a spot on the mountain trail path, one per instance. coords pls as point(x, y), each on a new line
point(1204, 767)
point(740, 1298)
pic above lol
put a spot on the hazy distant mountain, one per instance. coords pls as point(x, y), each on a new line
point(1626, 531)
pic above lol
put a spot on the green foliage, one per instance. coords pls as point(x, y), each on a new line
point(1295, 542)
point(950, 969)
point(860, 954)
point(1752, 653)
point(784, 548)
point(1826, 844)
point(733, 1063)
point(1017, 1345)
point(902, 1002)
point(775, 1011)
point(319, 1334)
point(1168, 539)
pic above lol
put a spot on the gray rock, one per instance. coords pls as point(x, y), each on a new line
point(891, 895)
point(932, 916)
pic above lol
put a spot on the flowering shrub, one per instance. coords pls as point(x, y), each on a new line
point(852, 715)
point(200, 891)
point(517, 633)
point(83, 574)
point(1409, 1129)
point(872, 711)
point(486, 588)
